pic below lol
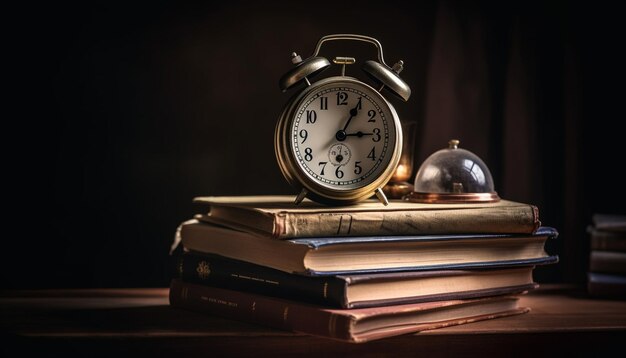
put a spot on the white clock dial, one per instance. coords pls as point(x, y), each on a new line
point(343, 135)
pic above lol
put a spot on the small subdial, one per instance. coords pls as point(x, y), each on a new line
point(339, 154)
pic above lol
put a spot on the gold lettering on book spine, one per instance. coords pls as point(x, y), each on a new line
point(285, 314)
point(332, 325)
point(203, 270)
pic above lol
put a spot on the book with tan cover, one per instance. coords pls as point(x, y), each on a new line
point(279, 217)
point(361, 254)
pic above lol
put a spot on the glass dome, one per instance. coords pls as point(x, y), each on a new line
point(453, 175)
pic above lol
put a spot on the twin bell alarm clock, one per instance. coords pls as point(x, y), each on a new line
point(338, 140)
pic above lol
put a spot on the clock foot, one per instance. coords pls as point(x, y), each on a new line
point(381, 196)
point(301, 196)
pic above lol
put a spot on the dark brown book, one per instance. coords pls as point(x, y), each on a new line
point(354, 325)
point(612, 262)
point(607, 240)
point(604, 285)
point(355, 291)
point(609, 222)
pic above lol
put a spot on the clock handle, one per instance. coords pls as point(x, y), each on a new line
point(353, 37)
point(386, 76)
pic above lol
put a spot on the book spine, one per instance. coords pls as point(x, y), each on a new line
point(242, 276)
point(607, 262)
point(262, 310)
point(519, 219)
point(601, 285)
point(607, 241)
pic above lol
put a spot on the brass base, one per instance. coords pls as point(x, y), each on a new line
point(449, 198)
point(397, 190)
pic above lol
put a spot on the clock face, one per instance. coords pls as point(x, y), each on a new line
point(343, 135)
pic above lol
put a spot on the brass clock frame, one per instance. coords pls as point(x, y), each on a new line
point(308, 187)
point(385, 77)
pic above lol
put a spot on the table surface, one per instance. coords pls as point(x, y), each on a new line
point(106, 322)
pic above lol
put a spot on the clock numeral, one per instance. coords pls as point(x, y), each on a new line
point(359, 106)
point(323, 164)
point(342, 99)
point(339, 172)
point(311, 116)
point(323, 103)
point(371, 113)
point(376, 136)
point(304, 135)
point(357, 168)
point(308, 154)
point(372, 154)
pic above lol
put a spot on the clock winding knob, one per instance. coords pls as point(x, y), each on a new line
point(397, 67)
point(295, 58)
point(302, 70)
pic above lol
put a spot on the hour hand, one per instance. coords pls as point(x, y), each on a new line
point(342, 135)
point(358, 134)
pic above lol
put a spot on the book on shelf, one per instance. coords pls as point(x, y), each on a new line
point(366, 254)
point(607, 258)
point(279, 217)
point(607, 262)
point(353, 325)
point(355, 291)
point(609, 222)
point(607, 240)
point(606, 285)
point(608, 232)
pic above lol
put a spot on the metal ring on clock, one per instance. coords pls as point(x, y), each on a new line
point(387, 77)
point(309, 67)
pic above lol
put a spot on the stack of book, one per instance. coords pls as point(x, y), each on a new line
point(360, 272)
point(607, 259)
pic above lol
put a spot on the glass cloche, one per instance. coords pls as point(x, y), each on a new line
point(453, 175)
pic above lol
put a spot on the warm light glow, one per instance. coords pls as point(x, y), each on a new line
point(403, 173)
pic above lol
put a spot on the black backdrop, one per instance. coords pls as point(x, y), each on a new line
point(119, 114)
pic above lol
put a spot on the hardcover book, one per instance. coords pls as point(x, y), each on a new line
point(609, 222)
point(607, 240)
point(355, 291)
point(608, 232)
point(607, 259)
point(342, 255)
point(278, 217)
point(612, 262)
point(354, 325)
point(606, 285)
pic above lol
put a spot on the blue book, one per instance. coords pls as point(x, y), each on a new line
point(355, 291)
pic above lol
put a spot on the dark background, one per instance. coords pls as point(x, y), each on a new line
point(119, 114)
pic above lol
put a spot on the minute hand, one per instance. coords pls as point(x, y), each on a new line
point(353, 112)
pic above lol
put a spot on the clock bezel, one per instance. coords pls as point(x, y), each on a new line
point(317, 191)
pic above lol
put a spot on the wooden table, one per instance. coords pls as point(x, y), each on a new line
point(139, 322)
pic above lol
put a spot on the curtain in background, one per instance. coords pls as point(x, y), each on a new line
point(507, 83)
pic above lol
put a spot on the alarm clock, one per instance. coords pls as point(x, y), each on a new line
point(338, 140)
